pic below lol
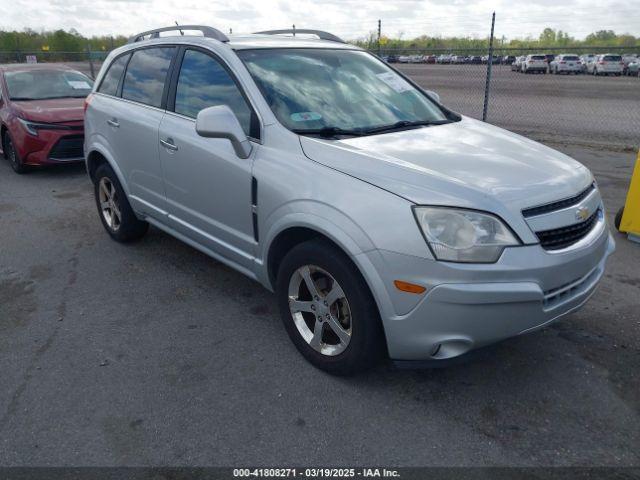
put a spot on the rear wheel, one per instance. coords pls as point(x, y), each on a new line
point(328, 310)
point(115, 211)
point(12, 155)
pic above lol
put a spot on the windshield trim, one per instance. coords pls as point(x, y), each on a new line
point(449, 114)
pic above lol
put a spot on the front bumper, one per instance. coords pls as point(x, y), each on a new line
point(467, 306)
point(50, 147)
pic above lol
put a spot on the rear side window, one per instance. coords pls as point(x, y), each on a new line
point(203, 83)
point(111, 79)
point(146, 74)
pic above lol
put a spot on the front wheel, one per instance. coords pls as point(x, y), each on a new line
point(114, 209)
point(328, 310)
point(12, 155)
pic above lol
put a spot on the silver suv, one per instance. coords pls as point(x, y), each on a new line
point(385, 223)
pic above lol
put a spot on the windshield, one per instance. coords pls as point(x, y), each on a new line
point(347, 90)
point(612, 58)
point(570, 57)
point(538, 57)
point(43, 84)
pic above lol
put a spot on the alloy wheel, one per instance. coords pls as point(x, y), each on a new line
point(320, 310)
point(109, 204)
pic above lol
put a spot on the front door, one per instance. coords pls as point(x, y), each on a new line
point(208, 188)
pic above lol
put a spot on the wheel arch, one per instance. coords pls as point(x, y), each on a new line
point(304, 229)
point(97, 156)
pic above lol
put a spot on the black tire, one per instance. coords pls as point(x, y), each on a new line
point(129, 227)
point(12, 155)
point(618, 219)
point(366, 345)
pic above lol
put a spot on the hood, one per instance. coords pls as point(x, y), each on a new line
point(58, 110)
point(462, 164)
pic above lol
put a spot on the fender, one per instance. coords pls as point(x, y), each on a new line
point(334, 225)
point(97, 143)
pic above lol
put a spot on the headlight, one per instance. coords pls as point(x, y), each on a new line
point(33, 127)
point(459, 235)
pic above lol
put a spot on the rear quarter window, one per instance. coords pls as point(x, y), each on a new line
point(146, 75)
point(109, 84)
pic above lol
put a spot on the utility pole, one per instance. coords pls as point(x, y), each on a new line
point(487, 84)
point(379, 35)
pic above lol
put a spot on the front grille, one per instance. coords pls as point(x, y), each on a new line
point(559, 205)
point(566, 236)
point(68, 148)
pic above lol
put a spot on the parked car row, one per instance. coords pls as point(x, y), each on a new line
point(565, 63)
point(604, 64)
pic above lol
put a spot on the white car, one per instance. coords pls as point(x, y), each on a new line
point(587, 59)
point(566, 63)
point(404, 59)
point(516, 66)
point(534, 64)
point(627, 60)
point(607, 64)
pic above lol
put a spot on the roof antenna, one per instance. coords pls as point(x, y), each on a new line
point(178, 25)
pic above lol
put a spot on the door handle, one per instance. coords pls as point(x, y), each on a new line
point(113, 122)
point(169, 145)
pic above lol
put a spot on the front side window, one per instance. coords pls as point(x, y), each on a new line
point(323, 89)
point(146, 75)
point(42, 84)
point(203, 83)
point(111, 79)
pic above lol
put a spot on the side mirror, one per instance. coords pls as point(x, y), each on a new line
point(221, 122)
point(433, 95)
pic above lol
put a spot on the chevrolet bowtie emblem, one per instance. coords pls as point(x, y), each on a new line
point(582, 213)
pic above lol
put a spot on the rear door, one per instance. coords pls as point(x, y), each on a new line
point(208, 187)
point(135, 126)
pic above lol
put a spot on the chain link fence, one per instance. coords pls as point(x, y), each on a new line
point(573, 108)
point(576, 108)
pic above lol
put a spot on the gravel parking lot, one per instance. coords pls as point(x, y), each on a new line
point(154, 354)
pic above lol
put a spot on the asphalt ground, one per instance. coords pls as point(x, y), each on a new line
point(154, 354)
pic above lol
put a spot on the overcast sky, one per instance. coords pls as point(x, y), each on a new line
point(348, 18)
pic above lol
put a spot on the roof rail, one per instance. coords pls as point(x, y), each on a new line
point(319, 33)
point(208, 32)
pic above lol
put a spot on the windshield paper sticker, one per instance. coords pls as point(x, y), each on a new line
point(79, 85)
point(395, 82)
point(305, 116)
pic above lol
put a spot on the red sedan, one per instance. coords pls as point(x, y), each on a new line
point(41, 114)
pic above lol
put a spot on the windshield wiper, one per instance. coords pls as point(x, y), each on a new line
point(328, 132)
point(404, 124)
